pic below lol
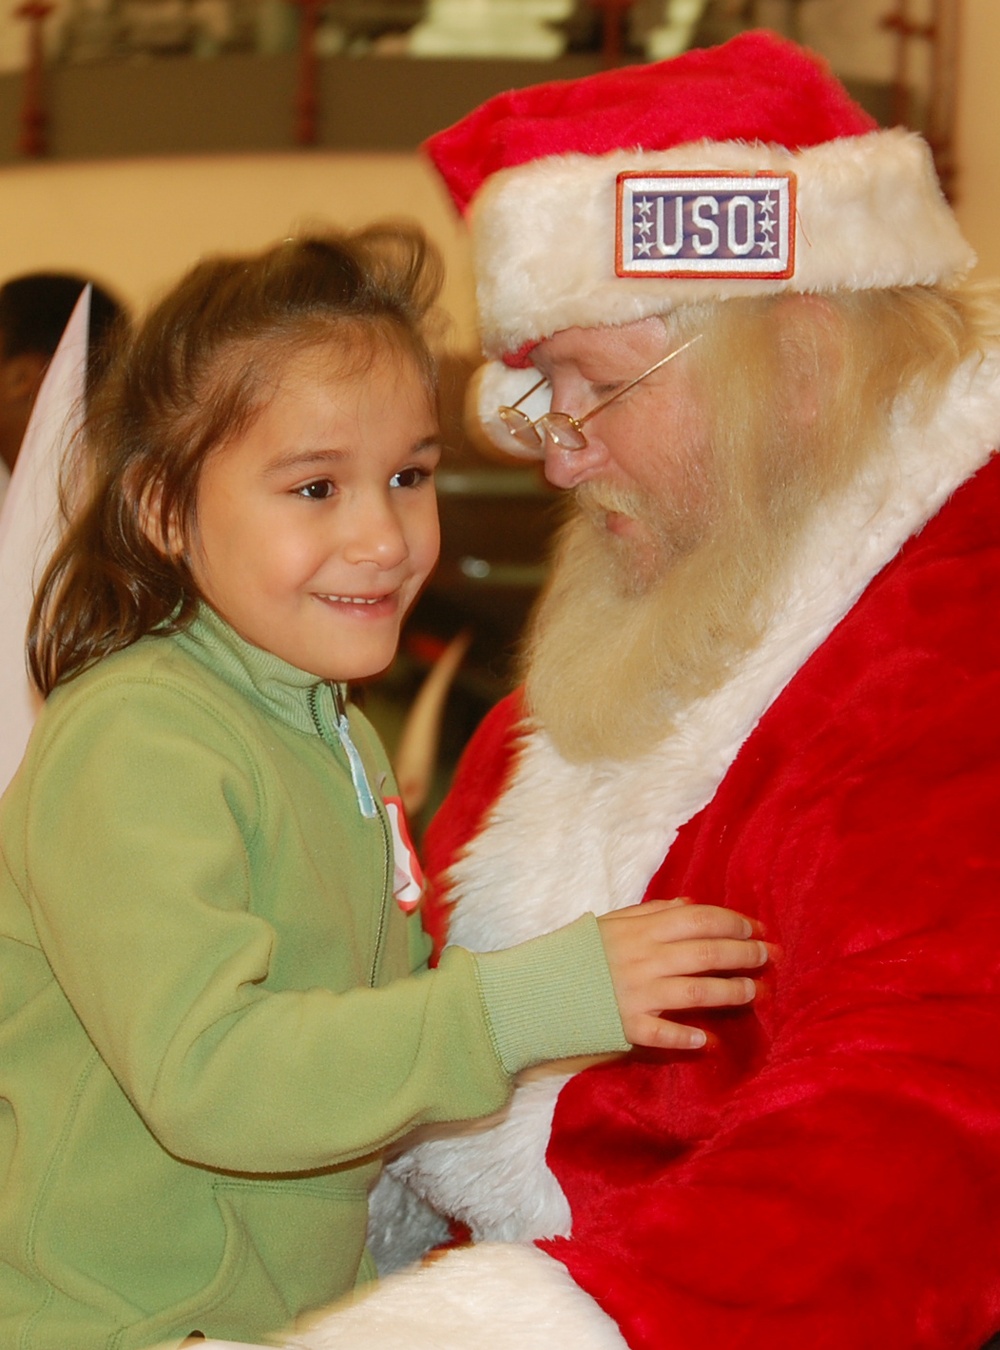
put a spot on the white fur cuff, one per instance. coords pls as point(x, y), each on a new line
point(501, 1296)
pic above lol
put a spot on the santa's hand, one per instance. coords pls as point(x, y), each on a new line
point(668, 954)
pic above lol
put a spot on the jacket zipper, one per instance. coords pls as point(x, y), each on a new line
point(367, 803)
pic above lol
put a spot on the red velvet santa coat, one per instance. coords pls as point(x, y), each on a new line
point(828, 1174)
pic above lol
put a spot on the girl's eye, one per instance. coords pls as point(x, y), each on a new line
point(410, 478)
point(317, 491)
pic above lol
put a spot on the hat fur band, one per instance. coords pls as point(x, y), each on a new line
point(559, 242)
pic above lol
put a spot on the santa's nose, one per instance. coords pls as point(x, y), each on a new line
point(569, 468)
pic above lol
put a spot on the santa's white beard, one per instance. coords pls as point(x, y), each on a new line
point(634, 627)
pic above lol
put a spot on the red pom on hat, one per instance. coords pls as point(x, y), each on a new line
point(757, 88)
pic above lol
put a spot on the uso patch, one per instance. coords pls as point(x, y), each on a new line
point(684, 224)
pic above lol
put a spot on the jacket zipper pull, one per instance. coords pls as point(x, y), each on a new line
point(359, 778)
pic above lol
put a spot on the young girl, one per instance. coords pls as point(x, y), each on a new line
point(215, 1012)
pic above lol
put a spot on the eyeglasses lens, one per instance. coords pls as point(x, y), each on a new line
point(521, 428)
point(563, 431)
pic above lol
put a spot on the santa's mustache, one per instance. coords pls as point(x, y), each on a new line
point(672, 528)
point(597, 500)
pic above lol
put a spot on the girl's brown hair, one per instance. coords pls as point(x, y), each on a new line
point(196, 373)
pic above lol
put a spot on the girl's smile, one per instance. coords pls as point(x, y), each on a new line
point(364, 609)
point(317, 527)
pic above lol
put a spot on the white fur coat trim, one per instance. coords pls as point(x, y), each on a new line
point(869, 213)
point(506, 1297)
point(566, 838)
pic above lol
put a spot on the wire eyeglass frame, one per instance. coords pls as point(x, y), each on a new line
point(561, 428)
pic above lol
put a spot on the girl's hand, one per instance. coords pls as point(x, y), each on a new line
point(660, 954)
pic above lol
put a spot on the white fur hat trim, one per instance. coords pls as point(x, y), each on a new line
point(869, 213)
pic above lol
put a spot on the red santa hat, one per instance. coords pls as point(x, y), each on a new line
point(735, 170)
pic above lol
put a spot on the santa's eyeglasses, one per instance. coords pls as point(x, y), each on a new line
point(561, 429)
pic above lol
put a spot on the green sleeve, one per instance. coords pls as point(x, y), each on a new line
point(552, 997)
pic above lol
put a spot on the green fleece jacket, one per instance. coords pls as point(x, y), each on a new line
point(214, 1016)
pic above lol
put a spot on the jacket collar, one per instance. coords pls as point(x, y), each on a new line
point(279, 689)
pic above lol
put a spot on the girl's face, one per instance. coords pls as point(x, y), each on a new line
point(317, 527)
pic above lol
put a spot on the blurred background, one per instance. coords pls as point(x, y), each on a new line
point(139, 135)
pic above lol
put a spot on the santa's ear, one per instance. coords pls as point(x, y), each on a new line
point(809, 333)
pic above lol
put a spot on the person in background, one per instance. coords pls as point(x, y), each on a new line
point(34, 311)
point(767, 670)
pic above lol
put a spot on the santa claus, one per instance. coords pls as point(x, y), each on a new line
point(728, 313)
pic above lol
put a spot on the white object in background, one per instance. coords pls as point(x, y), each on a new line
point(485, 28)
point(673, 36)
point(416, 754)
point(28, 527)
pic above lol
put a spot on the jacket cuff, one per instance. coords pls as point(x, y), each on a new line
point(551, 997)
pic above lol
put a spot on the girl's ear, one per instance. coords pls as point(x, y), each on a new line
point(165, 536)
point(810, 353)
